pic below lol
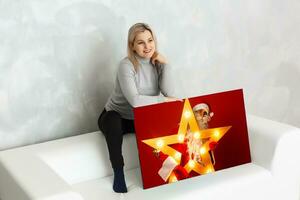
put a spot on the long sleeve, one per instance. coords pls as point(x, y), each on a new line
point(126, 77)
point(166, 84)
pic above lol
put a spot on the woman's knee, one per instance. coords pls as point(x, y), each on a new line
point(111, 122)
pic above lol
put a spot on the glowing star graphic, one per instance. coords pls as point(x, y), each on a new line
point(188, 123)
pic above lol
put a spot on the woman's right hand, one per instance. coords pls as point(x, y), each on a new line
point(157, 57)
point(170, 99)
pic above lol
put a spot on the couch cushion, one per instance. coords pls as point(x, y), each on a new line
point(84, 157)
point(247, 181)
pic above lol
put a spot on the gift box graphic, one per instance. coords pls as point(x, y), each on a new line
point(200, 135)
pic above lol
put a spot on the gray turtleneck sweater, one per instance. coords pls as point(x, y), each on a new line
point(147, 86)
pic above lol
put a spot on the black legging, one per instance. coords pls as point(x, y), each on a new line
point(113, 126)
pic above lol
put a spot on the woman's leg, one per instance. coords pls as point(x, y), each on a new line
point(110, 123)
point(128, 126)
point(113, 128)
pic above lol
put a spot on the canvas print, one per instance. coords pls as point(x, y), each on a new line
point(200, 135)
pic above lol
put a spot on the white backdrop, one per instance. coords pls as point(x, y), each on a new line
point(58, 58)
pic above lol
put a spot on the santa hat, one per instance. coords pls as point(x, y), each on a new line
point(203, 106)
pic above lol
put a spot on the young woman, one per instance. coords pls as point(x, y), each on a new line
point(140, 81)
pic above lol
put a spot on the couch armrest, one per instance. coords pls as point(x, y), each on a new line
point(276, 147)
point(24, 177)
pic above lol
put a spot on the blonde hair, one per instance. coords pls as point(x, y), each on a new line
point(132, 33)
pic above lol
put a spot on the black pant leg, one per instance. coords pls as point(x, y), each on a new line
point(128, 126)
point(110, 123)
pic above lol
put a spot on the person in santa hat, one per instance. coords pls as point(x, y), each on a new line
point(203, 115)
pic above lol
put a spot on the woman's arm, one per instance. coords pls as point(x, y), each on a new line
point(166, 84)
point(126, 77)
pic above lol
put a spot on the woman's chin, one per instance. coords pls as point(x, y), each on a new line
point(148, 55)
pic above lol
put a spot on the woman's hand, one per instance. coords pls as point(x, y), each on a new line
point(170, 99)
point(157, 57)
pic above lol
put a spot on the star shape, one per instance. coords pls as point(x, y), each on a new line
point(188, 122)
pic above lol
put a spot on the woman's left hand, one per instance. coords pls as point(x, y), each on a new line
point(159, 58)
point(170, 99)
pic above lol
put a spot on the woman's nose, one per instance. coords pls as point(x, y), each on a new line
point(147, 46)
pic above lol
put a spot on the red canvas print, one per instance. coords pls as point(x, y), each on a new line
point(200, 135)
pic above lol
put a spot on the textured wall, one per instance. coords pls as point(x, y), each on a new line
point(58, 58)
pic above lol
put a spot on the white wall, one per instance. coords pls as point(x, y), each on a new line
point(58, 58)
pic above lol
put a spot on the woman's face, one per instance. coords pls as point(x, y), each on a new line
point(144, 44)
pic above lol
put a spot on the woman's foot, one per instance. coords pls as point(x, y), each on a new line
point(119, 185)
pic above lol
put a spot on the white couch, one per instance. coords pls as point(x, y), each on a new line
point(77, 168)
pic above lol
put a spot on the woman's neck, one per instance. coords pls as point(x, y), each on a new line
point(142, 60)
